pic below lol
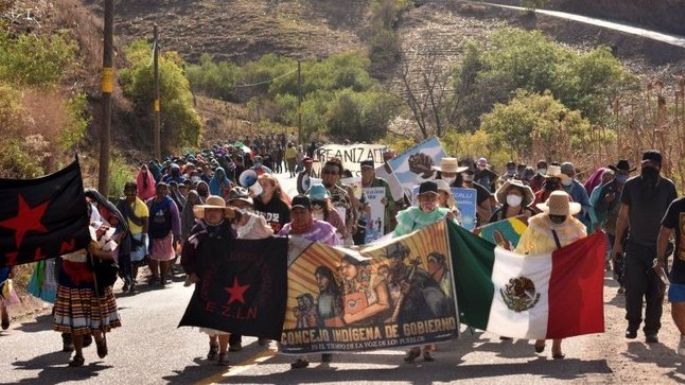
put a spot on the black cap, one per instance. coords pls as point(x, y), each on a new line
point(366, 163)
point(428, 187)
point(652, 155)
point(301, 201)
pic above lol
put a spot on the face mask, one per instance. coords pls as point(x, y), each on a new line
point(557, 219)
point(566, 180)
point(449, 180)
point(542, 171)
point(317, 215)
point(514, 200)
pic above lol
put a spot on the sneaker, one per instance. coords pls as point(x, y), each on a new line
point(631, 334)
point(681, 347)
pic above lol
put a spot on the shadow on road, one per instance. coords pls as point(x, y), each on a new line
point(563, 370)
point(39, 324)
point(53, 369)
point(193, 373)
point(658, 354)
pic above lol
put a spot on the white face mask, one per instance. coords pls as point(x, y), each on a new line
point(317, 215)
point(449, 180)
point(566, 180)
point(542, 171)
point(514, 200)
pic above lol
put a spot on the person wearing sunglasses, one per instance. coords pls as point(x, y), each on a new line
point(323, 210)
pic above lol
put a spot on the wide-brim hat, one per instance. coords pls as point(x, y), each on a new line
point(450, 165)
point(213, 202)
point(553, 171)
point(622, 166)
point(528, 195)
point(559, 203)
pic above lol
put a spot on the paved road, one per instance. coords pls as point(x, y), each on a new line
point(150, 349)
point(675, 40)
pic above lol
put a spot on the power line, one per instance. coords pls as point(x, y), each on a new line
point(265, 81)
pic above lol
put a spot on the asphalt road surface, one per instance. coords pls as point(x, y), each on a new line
point(150, 349)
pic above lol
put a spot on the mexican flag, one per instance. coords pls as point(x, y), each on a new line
point(553, 295)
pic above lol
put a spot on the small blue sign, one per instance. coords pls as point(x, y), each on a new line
point(466, 203)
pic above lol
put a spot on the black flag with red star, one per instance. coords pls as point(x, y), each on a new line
point(246, 293)
point(42, 218)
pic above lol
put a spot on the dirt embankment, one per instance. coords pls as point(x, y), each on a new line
point(242, 30)
point(660, 15)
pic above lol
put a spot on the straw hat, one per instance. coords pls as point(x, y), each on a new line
point(450, 165)
point(553, 171)
point(213, 202)
point(528, 195)
point(559, 203)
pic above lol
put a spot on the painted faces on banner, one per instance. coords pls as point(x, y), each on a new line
point(388, 295)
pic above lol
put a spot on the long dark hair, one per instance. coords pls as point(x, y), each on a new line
point(333, 285)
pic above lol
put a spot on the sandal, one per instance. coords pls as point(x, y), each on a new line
point(223, 359)
point(299, 364)
point(101, 347)
point(213, 352)
point(558, 356)
point(77, 361)
point(539, 347)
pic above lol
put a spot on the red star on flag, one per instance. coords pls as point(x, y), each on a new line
point(67, 247)
point(27, 219)
point(236, 292)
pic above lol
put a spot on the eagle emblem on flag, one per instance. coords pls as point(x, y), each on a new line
point(520, 294)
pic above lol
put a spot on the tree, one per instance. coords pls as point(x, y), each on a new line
point(181, 124)
point(426, 81)
point(537, 125)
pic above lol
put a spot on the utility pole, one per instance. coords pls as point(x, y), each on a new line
point(299, 102)
point(156, 106)
point(107, 88)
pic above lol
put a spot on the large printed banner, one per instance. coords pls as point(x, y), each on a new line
point(387, 295)
point(352, 154)
point(416, 164)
